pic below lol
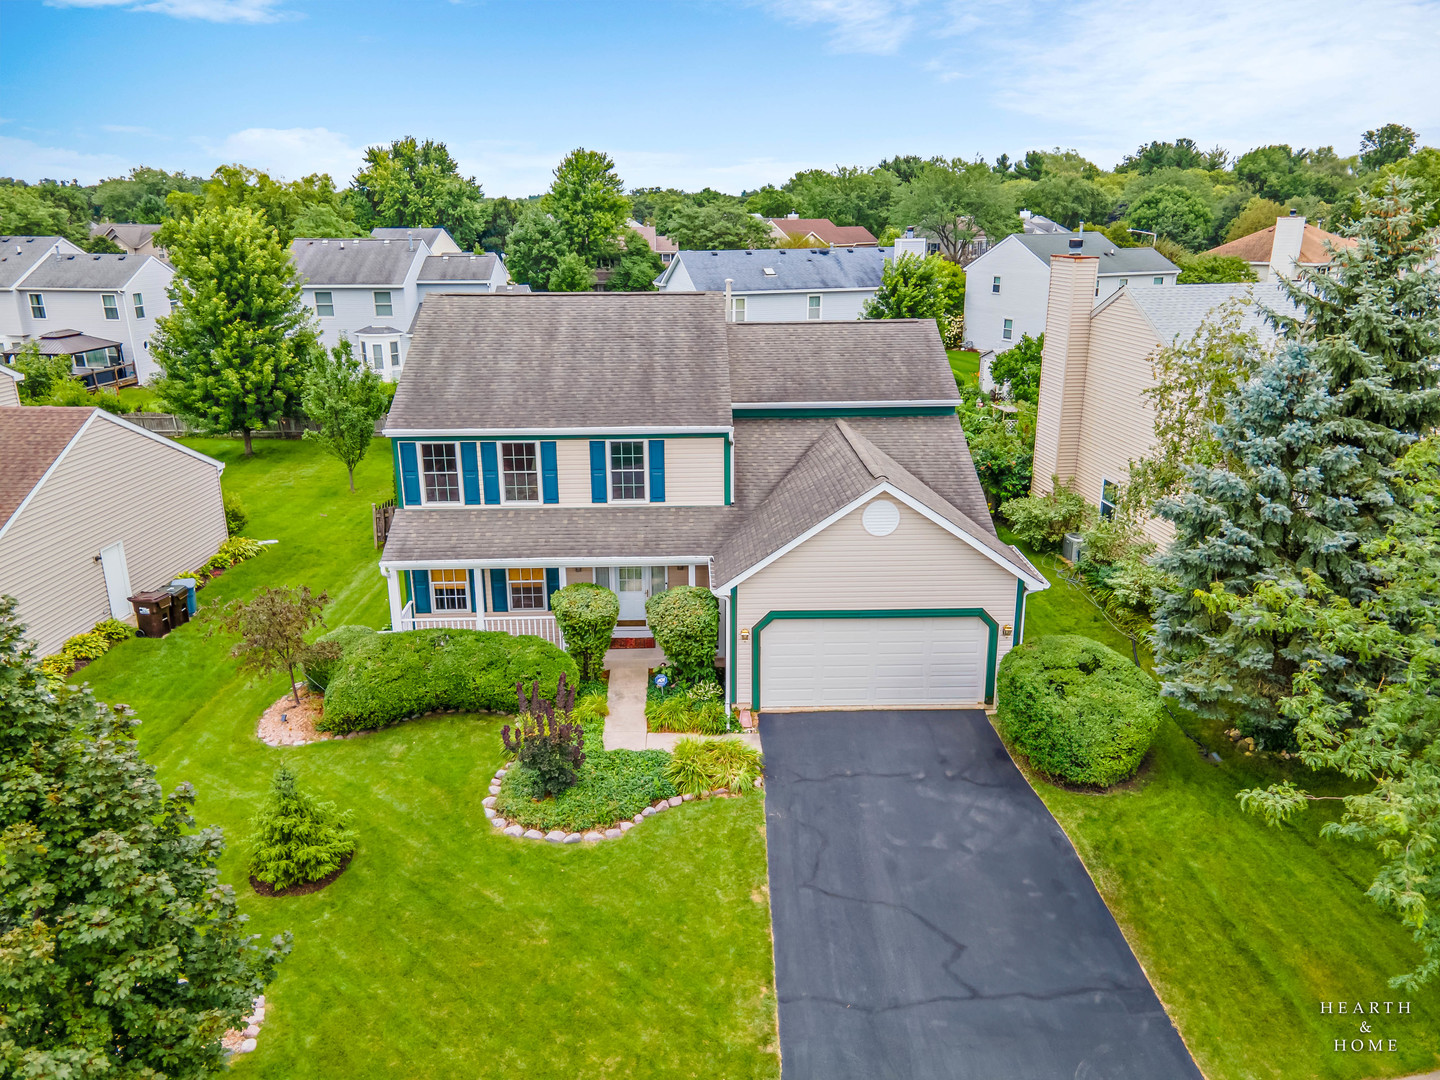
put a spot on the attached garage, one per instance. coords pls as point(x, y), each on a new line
point(818, 660)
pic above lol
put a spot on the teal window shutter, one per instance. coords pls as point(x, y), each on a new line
point(420, 586)
point(409, 474)
point(490, 470)
point(474, 599)
point(597, 471)
point(657, 470)
point(470, 474)
point(499, 591)
point(552, 583)
point(549, 474)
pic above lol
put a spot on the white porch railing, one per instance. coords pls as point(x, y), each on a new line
point(541, 624)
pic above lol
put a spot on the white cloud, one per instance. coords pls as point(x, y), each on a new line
point(220, 11)
point(28, 160)
point(128, 129)
point(856, 26)
point(288, 152)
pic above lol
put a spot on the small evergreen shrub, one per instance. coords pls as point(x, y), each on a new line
point(1079, 711)
point(700, 765)
point(686, 625)
point(382, 679)
point(587, 615)
point(297, 840)
point(1041, 521)
point(544, 740)
point(236, 517)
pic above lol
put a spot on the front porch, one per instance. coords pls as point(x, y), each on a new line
point(541, 624)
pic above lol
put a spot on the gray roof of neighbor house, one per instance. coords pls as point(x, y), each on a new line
point(1176, 311)
point(458, 268)
point(374, 330)
point(20, 253)
point(66, 343)
point(85, 271)
point(591, 361)
point(131, 235)
point(353, 262)
point(428, 235)
point(31, 438)
point(875, 360)
point(1113, 260)
point(794, 268)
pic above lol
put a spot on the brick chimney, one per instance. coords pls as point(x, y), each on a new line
point(1062, 367)
point(1285, 248)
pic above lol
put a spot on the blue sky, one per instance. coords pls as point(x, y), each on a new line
point(733, 94)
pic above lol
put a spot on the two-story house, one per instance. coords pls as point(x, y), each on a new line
point(368, 290)
point(813, 476)
point(105, 305)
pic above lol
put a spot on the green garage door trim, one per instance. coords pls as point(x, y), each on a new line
point(896, 613)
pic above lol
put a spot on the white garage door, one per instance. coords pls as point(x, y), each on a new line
point(827, 662)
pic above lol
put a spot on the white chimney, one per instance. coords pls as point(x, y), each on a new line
point(910, 244)
point(1285, 248)
point(729, 315)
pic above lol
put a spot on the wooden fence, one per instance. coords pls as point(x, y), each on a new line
point(173, 426)
point(383, 514)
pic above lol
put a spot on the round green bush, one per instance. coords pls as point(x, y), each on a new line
point(1079, 711)
point(587, 615)
point(686, 625)
point(326, 652)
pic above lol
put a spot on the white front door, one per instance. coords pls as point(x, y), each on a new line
point(117, 579)
point(630, 587)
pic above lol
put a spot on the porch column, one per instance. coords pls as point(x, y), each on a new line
point(392, 582)
point(691, 568)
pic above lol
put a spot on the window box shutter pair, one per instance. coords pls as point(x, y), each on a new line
point(598, 466)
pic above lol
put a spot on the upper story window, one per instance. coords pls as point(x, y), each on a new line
point(1109, 492)
point(439, 471)
point(520, 471)
point(37, 305)
point(1124, 282)
point(737, 309)
point(394, 354)
point(527, 588)
point(627, 471)
point(382, 304)
point(324, 304)
point(995, 286)
point(1159, 281)
point(139, 305)
point(812, 310)
point(449, 590)
point(112, 306)
point(1008, 333)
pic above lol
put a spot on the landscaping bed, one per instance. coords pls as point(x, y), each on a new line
point(693, 706)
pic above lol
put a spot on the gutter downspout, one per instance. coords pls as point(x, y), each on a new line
point(729, 303)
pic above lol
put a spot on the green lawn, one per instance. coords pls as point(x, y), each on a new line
point(965, 363)
point(1242, 928)
point(445, 950)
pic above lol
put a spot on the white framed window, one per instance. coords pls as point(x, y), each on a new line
point(383, 305)
point(449, 590)
point(1124, 282)
point(1109, 492)
point(439, 472)
point(37, 305)
point(995, 286)
point(737, 309)
point(111, 305)
point(139, 299)
point(377, 356)
point(394, 354)
point(519, 472)
point(1008, 332)
point(1159, 281)
point(627, 471)
point(527, 588)
point(325, 304)
point(812, 309)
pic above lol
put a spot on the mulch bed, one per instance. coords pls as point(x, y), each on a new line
point(264, 888)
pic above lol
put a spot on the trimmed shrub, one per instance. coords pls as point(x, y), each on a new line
point(324, 655)
point(381, 679)
point(700, 765)
point(296, 839)
point(235, 516)
point(686, 625)
point(1079, 711)
point(1041, 521)
point(587, 615)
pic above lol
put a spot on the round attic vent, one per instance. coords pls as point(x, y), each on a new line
point(881, 518)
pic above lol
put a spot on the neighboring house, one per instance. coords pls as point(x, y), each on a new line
point(94, 510)
point(822, 232)
point(1007, 288)
point(813, 476)
point(439, 241)
point(663, 246)
point(10, 386)
point(369, 290)
point(47, 284)
point(135, 239)
point(786, 284)
point(1093, 418)
point(1039, 225)
point(99, 363)
point(1288, 246)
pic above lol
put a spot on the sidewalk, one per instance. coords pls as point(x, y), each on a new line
point(625, 726)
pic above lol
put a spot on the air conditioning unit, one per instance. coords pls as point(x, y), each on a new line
point(1071, 546)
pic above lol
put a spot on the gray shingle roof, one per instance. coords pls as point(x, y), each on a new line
point(428, 235)
point(20, 253)
point(85, 271)
point(457, 268)
point(374, 330)
point(31, 438)
point(1176, 311)
point(492, 361)
point(67, 343)
point(1113, 260)
point(867, 360)
point(353, 262)
point(795, 268)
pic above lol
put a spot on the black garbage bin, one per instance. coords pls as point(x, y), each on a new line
point(152, 612)
point(179, 604)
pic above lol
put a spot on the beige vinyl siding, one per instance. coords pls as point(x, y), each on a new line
point(572, 466)
point(577, 575)
point(919, 565)
point(113, 485)
point(694, 471)
point(1062, 368)
point(9, 392)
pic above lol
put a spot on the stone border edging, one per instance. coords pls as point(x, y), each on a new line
point(560, 836)
point(250, 1033)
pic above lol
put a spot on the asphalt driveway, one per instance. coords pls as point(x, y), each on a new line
point(931, 919)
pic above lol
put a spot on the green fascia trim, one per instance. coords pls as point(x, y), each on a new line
point(730, 660)
point(893, 613)
point(395, 463)
point(1019, 612)
point(877, 410)
point(440, 436)
point(728, 498)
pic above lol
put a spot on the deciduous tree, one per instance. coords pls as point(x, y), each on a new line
point(344, 397)
point(533, 248)
point(1020, 368)
point(572, 274)
point(909, 289)
point(587, 200)
point(1173, 212)
point(637, 267)
point(954, 203)
point(1214, 270)
point(272, 629)
point(417, 185)
point(703, 228)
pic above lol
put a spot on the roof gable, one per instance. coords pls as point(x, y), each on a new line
point(18, 254)
point(1113, 259)
point(32, 438)
point(781, 269)
point(323, 262)
point(826, 230)
point(84, 271)
point(1257, 247)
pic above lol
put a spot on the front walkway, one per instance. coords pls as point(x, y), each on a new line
point(625, 727)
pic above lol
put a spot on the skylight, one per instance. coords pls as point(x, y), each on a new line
point(769, 271)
